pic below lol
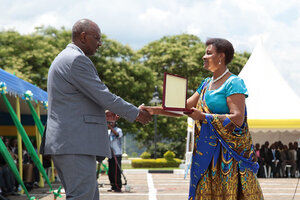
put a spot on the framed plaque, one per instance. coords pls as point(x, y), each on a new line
point(175, 94)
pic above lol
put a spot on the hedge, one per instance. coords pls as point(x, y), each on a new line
point(145, 155)
point(155, 163)
point(169, 155)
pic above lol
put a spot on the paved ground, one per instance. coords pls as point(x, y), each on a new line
point(145, 186)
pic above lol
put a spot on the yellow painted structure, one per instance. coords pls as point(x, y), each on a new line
point(274, 123)
point(20, 150)
point(12, 130)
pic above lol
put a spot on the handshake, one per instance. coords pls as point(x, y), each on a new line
point(144, 117)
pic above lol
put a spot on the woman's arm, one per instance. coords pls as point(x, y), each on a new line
point(192, 101)
point(236, 105)
point(155, 110)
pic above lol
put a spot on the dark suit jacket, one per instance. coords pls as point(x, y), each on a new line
point(270, 156)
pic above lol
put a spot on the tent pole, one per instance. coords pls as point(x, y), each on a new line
point(52, 171)
point(19, 138)
point(38, 143)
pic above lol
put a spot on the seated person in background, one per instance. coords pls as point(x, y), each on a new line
point(292, 157)
point(14, 155)
point(13, 145)
point(263, 156)
point(6, 179)
point(284, 160)
point(259, 160)
point(278, 145)
point(31, 173)
point(273, 155)
point(298, 155)
point(267, 145)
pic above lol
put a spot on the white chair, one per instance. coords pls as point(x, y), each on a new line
point(288, 167)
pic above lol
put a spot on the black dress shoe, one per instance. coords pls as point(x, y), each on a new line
point(118, 190)
point(109, 190)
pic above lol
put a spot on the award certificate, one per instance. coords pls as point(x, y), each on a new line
point(175, 94)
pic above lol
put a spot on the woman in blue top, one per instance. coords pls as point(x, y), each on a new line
point(224, 164)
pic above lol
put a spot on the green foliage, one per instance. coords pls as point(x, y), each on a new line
point(145, 155)
point(119, 70)
point(30, 56)
point(134, 154)
point(169, 155)
point(179, 54)
point(155, 163)
point(237, 64)
point(127, 73)
point(178, 147)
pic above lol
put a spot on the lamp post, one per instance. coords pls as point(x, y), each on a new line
point(155, 100)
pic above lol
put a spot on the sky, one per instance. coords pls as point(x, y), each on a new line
point(138, 22)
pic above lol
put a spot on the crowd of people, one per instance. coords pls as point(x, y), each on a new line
point(278, 160)
point(8, 182)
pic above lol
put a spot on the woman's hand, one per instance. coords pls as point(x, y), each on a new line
point(196, 114)
point(158, 110)
point(150, 109)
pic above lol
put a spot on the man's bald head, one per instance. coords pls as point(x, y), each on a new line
point(83, 25)
point(87, 36)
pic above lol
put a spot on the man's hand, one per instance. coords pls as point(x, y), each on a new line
point(144, 117)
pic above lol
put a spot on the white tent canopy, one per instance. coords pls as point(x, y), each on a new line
point(270, 97)
point(273, 107)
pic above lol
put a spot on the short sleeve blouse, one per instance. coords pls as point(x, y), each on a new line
point(216, 100)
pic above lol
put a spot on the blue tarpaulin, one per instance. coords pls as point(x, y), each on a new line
point(18, 87)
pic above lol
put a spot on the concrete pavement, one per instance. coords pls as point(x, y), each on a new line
point(153, 186)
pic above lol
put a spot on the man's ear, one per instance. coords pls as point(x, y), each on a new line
point(82, 37)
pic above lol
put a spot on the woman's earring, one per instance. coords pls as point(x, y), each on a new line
point(220, 62)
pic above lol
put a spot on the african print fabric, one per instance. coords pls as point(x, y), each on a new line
point(224, 164)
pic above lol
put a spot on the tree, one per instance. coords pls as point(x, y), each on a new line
point(179, 54)
point(28, 56)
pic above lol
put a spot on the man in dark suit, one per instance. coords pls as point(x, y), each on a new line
point(76, 126)
point(274, 157)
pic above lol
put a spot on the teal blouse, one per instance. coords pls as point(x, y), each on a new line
point(216, 99)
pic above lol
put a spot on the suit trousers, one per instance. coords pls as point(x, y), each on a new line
point(77, 174)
